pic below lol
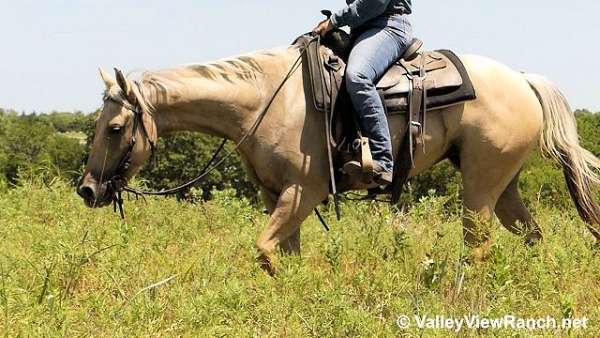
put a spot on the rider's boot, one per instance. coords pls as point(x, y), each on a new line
point(382, 177)
point(379, 175)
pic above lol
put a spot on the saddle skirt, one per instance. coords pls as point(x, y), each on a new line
point(445, 82)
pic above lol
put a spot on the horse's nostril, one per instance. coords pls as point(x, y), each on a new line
point(86, 192)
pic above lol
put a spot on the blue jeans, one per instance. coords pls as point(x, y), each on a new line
point(374, 51)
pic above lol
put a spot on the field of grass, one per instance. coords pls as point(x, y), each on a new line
point(181, 270)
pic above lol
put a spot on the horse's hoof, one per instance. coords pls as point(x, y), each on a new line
point(533, 238)
point(266, 264)
point(479, 255)
point(479, 250)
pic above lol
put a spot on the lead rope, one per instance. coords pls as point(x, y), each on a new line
point(203, 173)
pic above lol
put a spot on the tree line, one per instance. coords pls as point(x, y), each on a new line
point(55, 146)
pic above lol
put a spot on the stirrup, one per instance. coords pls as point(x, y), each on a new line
point(366, 159)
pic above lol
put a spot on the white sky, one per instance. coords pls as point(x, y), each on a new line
point(50, 50)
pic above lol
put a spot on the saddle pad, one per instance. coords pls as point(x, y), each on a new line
point(438, 94)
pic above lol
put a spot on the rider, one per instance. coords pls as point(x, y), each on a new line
point(382, 33)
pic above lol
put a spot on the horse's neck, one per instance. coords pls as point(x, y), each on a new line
point(204, 105)
point(206, 98)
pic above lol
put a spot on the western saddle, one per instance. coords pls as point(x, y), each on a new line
point(417, 83)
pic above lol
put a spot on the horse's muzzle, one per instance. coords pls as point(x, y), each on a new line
point(94, 195)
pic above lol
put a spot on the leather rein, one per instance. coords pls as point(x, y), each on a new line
point(118, 182)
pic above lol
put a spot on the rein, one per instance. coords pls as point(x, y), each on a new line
point(118, 183)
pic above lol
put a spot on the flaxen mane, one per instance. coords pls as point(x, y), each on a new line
point(245, 68)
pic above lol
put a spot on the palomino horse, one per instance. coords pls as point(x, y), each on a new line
point(490, 139)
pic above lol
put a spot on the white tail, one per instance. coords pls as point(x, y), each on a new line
point(560, 141)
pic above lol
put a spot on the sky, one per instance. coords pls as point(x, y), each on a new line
point(50, 50)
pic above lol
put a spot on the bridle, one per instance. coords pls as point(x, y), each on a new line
point(118, 182)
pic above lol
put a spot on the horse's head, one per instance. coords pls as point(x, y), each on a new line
point(125, 135)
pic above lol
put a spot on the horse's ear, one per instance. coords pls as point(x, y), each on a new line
point(122, 81)
point(108, 81)
point(125, 87)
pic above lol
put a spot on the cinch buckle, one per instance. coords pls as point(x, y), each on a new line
point(415, 127)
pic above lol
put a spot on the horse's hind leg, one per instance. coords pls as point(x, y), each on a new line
point(485, 179)
point(478, 209)
point(515, 217)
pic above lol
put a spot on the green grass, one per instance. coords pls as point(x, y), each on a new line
point(66, 270)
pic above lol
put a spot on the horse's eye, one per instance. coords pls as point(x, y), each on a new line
point(116, 129)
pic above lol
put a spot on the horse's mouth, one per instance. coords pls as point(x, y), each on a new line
point(95, 195)
point(99, 203)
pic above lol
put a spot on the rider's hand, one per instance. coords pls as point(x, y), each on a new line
point(324, 27)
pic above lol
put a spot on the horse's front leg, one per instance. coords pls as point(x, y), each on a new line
point(294, 205)
point(290, 246)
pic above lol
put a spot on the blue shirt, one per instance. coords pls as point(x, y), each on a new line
point(374, 14)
